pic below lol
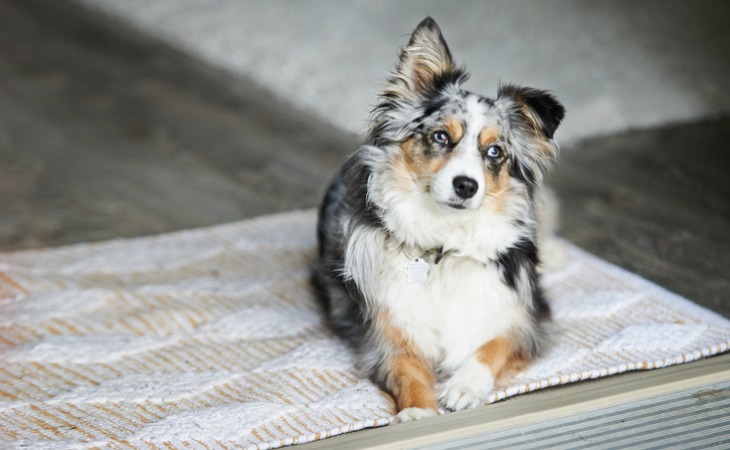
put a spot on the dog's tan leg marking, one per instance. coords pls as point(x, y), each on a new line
point(411, 382)
point(407, 375)
point(501, 356)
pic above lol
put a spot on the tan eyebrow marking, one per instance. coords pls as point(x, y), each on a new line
point(488, 136)
point(455, 129)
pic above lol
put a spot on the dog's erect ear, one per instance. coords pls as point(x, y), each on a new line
point(425, 63)
point(539, 107)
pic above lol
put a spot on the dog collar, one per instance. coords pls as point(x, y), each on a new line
point(417, 269)
point(440, 253)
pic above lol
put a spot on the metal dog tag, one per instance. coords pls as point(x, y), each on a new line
point(417, 271)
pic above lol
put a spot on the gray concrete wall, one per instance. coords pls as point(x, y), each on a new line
point(617, 65)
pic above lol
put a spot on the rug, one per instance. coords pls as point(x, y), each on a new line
point(212, 339)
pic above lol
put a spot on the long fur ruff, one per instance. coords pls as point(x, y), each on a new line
point(453, 180)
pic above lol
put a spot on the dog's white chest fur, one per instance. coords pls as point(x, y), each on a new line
point(462, 305)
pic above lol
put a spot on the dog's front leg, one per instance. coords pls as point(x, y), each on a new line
point(471, 384)
point(403, 371)
point(411, 382)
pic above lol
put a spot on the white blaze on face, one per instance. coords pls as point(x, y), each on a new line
point(466, 161)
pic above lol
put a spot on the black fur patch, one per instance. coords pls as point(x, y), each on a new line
point(545, 106)
point(523, 258)
point(456, 76)
point(522, 172)
point(364, 210)
point(431, 105)
point(523, 254)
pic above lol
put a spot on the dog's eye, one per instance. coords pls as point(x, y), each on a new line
point(494, 152)
point(441, 138)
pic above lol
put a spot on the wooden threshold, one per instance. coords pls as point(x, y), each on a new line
point(538, 406)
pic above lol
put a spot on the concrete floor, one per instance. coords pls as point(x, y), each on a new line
point(107, 133)
point(656, 202)
point(617, 65)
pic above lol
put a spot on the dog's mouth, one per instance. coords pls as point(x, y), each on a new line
point(456, 205)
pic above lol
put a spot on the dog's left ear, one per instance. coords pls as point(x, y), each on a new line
point(540, 108)
point(425, 64)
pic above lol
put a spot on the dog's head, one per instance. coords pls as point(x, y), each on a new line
point(461, 149)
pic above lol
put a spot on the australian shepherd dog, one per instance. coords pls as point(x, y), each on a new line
point(428, 237)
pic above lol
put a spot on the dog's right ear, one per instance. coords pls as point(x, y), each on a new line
point(541, 109)
point(425, 64)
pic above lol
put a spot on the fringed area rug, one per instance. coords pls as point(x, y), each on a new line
point(212, 338)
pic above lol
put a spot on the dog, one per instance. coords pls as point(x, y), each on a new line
point(428, 236)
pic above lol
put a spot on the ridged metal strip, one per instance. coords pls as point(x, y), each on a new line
point(697, 418)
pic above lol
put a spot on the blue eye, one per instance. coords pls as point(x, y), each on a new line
point(441, 138)
point(494, 152)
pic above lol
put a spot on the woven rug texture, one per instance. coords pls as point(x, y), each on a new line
point(212, 338)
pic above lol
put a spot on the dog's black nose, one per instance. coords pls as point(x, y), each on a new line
point(465, 187)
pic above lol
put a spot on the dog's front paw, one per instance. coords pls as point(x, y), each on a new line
point(468, 388)
point(411, 414)
point(457, 398)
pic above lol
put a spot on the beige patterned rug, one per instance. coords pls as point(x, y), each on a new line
point(212, 339)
